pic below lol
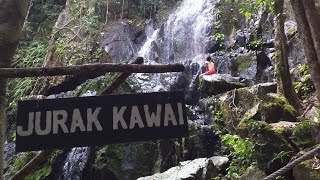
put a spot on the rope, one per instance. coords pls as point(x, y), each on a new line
point(290, 165)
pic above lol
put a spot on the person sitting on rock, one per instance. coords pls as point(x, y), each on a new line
point(210, 68)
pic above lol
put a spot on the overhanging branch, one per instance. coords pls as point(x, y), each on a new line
point(88, 69)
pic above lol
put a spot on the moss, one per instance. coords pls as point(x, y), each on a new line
point(111, 157)
point(275, 108)
point(242, 63)
point(304, 134)
point(268, 144)
point(305, 170)
point(146, 157)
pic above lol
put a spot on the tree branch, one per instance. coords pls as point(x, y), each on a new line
point(120, 80)
point(88, 69)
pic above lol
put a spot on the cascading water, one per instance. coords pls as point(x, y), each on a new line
point(183, 38)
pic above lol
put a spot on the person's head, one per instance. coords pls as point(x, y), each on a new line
point(209, 59)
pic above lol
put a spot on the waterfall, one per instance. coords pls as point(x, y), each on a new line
point(183, 38)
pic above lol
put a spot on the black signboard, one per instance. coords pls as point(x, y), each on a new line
point(89, 121)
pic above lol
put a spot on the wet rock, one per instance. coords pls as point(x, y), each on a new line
point(202, 168)
point(219, 83)
point(122, 161)
point(241, 37)
point(244, 65)
point(313, 115)
point(121, 40)
point(203, 141)
point(263, 61)
point(9, 151)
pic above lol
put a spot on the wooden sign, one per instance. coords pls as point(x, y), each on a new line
point(90, 121)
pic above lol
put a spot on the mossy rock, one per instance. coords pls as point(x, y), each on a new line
point(306, 133)
point(272, 149)
point(305, 170)
point(241, 64)
point(242, 104)
point(275, 108)
point(125, 161)
point(253, 173)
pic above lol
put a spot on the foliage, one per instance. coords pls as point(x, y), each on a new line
point(305, 87)
point(18, 162)
point(96, 85)
point(281, 155)
point(242, 152)
point(46, 170)
point(303, 132)
point(249, 7)
point(219, 38)
point(256, 44)
point(28, 55)
point(110, 156)
point(304, 69)
point(40, 174)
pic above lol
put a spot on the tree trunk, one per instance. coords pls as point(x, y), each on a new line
point(308, 42)
point(107, 12)
point(122, 9)
point(88, 69)
point(285, 85)
point(12, 15)
point(313, 17)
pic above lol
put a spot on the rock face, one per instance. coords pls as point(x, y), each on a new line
point(121, 40)
point(203, 168)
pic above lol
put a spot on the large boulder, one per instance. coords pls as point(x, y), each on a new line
point(306, 134)
point(275, 108)
point(253, 173)
point(122, 40)
point(203, 168)
point(243, 103)
point(219, 83)
point(272, 148)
